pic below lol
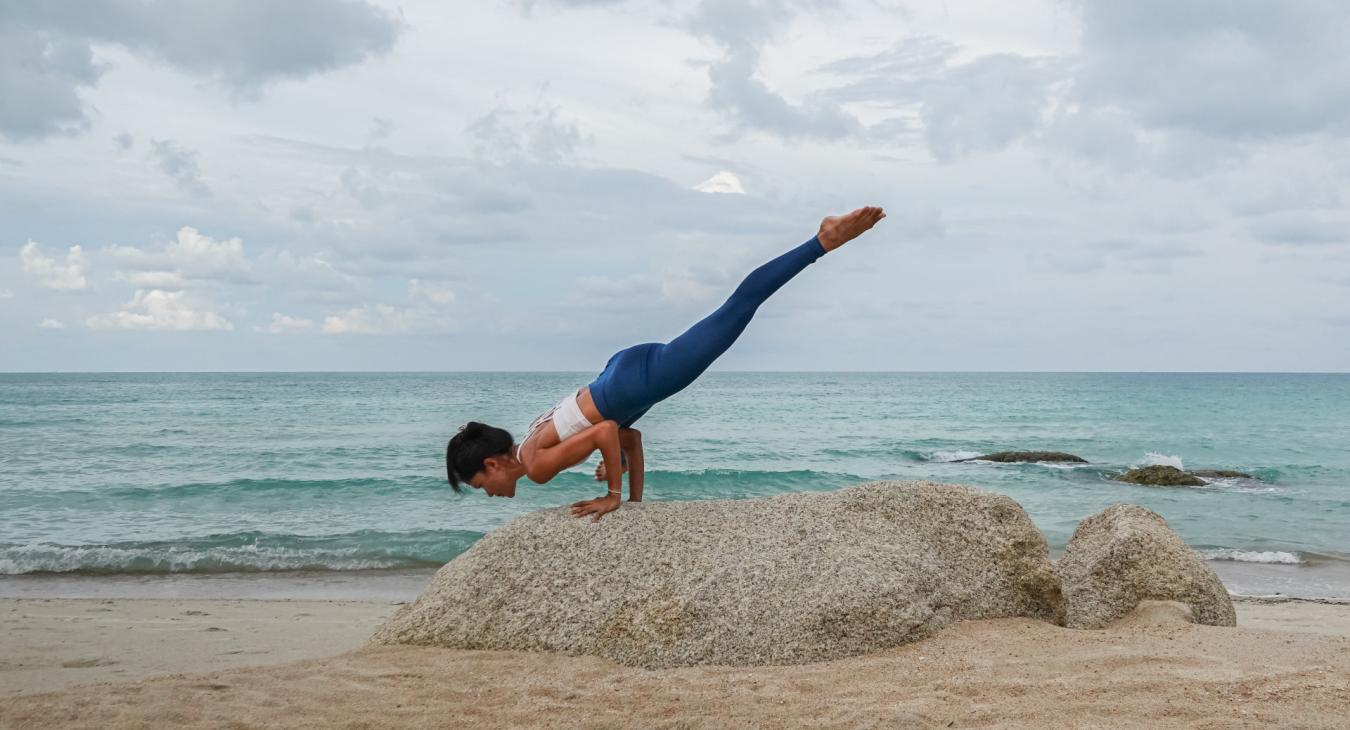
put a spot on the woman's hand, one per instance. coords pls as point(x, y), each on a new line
point(600, 506)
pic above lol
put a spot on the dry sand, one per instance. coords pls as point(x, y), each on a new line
point(1288, 664)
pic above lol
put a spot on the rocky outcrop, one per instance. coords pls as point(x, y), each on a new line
point(784, 580)
point(1126, 554)
point(1160, 476)
point(1007, 457)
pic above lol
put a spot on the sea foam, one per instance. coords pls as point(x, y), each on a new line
point(1278, 557)
point(1154, 458)
point(953, 455)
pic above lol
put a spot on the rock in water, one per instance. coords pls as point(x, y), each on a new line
point(789, 579)
point(1221, 474)
point(1160, 476)
point(1126, 554)
point(1007, 457)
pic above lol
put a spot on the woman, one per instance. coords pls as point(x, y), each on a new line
point(600, 416)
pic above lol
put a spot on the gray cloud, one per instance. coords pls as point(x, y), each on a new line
point(180, 164)
point(536, 134)
point(40, 74)
point(1216, 67)
point(741, 27)
point(244, 45)
point(962, 108)
point(1301, 228)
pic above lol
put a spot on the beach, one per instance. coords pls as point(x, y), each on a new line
point(279, 663)
point(232, 541)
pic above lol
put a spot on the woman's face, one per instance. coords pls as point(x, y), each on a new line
point(495, 477)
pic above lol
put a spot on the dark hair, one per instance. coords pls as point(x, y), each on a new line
point(467, 449)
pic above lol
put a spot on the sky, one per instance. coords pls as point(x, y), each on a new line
point(348, 185)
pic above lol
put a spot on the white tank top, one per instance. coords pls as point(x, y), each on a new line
point(567, 417)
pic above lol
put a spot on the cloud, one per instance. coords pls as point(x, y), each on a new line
point(381, 319)
point(6, 294)
point(427, 312)
point(282, 324)
point(190, 255)
point(741, 28)
point(1301, 228)
point(1245, 70)
point(45, 71)
point(180, 164)
point(124, 141)
point(962, 108)
point(156, 309)
point(51, 324)
point(536, 133)
point(68, 276)
point(432, 292)
point(46, 55)
point(722, 182)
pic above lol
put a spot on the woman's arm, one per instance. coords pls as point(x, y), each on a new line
point(546, 463)
point(630, 439)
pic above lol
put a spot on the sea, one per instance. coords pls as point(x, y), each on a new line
point(332, 485)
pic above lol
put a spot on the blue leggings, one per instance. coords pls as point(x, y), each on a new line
point(639, 377)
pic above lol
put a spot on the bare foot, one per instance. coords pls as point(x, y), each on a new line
point(838, 230)
point(600, 471)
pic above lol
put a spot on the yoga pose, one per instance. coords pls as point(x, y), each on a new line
point(600, 416)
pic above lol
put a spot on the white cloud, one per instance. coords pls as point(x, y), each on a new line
point(381, 319)
point(190, 255)
point(156, 309)
point(66, 276)
point(152, 279)
point(431, 291)
point(722, 182)
point(6, 294)
point(429, 301)
point(51, 324)
point(282, 324)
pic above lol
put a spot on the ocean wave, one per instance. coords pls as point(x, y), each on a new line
point(954, 455)
point(714, 482)
point(243, 552)
point(1278, 557)
point(1154, 458)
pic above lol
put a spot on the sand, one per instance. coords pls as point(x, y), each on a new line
point(1287, 664)
point(48, 644)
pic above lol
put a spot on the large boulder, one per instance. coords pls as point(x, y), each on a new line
point(1126, 554)
point(1160, 475)
point(789, 579)
point(1010, 457)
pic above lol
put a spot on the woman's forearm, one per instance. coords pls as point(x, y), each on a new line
point(635, 473)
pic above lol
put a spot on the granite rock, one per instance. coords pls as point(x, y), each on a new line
point(1127, 554)
point(789, 579)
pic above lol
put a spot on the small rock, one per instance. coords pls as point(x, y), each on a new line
point(1222, 474)
point(1160, 476)
point(1009, 457)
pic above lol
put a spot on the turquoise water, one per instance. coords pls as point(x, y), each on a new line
point(163, 473)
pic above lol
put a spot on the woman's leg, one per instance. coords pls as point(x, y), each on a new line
point(673, 366)
point(638, 377)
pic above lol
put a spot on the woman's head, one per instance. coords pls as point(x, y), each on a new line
point(480, 456)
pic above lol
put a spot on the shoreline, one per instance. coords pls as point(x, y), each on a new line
point(1324, 581)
